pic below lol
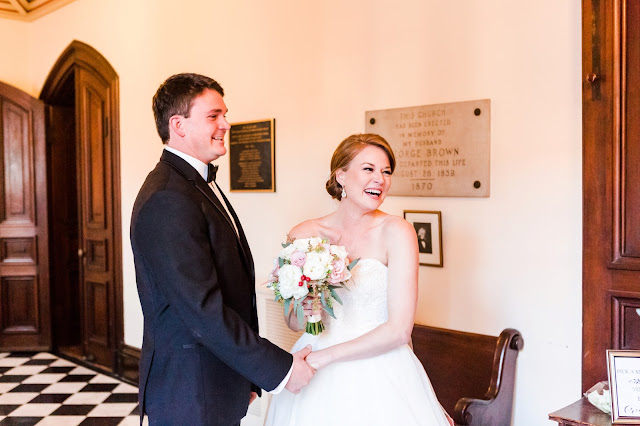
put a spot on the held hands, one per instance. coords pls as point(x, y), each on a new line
point(301, 373)
point(318, 359)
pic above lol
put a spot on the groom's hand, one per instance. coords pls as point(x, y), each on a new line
point(301, 373)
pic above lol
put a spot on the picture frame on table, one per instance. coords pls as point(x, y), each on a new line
point(623, 367)
point(428, 227)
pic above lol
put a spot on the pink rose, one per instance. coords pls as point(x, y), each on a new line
point(276, 270)
point(298, 258)
point(339, 272)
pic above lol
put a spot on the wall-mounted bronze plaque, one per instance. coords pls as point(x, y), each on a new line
point(441, 150)
point(251, 156)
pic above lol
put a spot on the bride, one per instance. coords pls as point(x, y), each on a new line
point(367, 373)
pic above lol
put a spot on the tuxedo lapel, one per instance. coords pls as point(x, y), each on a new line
point(193, 176)
point(241, 236)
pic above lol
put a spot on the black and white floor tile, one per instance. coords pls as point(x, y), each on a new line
point(38, 388)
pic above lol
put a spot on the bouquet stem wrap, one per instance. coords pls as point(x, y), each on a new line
point(315, 325)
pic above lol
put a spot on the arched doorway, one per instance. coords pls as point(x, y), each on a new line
point(83, 171)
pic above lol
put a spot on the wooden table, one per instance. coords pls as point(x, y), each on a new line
point(581, 413)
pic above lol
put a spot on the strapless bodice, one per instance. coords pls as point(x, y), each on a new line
point(364, 304)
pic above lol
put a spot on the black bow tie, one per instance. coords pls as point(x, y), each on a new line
point(211, 172)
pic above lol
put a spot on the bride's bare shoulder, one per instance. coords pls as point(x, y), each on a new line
point(396, 227)
point(303, 230)
point(312, 228)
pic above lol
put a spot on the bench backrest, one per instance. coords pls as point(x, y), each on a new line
point(473, 375)
point(458, 364)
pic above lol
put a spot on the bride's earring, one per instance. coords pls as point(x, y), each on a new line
point(344, 193)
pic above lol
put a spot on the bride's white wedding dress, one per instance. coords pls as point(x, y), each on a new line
point(388, 389)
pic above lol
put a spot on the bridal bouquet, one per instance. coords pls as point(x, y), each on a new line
point(310, 268)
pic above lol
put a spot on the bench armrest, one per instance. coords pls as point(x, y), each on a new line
point(496, 408)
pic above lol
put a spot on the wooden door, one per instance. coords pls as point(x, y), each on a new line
point(24, 276)
point(81, 93)
point(95, 167)
point(611, 182)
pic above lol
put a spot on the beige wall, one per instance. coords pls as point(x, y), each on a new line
point(15, 54)
point(511, 260)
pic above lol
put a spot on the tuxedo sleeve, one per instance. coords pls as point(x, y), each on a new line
point(173, 238)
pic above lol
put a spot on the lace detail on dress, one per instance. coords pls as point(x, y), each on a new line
point(364, 305)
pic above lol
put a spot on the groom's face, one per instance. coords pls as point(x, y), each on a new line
point(206, 126)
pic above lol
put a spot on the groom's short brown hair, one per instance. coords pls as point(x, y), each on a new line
point(175, 95)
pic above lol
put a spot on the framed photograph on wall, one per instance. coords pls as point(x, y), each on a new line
point(428, 226)
point(624, 382)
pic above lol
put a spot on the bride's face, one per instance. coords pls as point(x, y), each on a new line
point(368, 177)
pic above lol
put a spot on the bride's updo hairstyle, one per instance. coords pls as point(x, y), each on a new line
point(347, 150)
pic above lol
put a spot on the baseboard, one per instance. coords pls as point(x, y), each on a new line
point(129, 358)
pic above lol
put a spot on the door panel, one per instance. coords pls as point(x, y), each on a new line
point(19, 305)
point(96, 230)
point(24, 276)
point(628, 150)
point(624, 269)
point(98, 331)
point(19, 192)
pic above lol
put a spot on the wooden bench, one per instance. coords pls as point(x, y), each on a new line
point(473, 375)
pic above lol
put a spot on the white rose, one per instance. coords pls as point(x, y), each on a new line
point(317, 264)
point(288, 282)
point(285, 253)
point(301, 244)
point(315, 242)
point(339, 251)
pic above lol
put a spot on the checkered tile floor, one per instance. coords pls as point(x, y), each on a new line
point(42, 389)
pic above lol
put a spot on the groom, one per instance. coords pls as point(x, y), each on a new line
point(202, 360)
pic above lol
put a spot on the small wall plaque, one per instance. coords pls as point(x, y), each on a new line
point(441, 150)
point(251, 156)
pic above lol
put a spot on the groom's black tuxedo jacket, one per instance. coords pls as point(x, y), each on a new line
point(201, 354)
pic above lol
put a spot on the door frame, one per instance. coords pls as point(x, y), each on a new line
point(81, 55)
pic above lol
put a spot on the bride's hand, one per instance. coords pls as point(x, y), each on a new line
point(308, 307)
point(318, 359)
